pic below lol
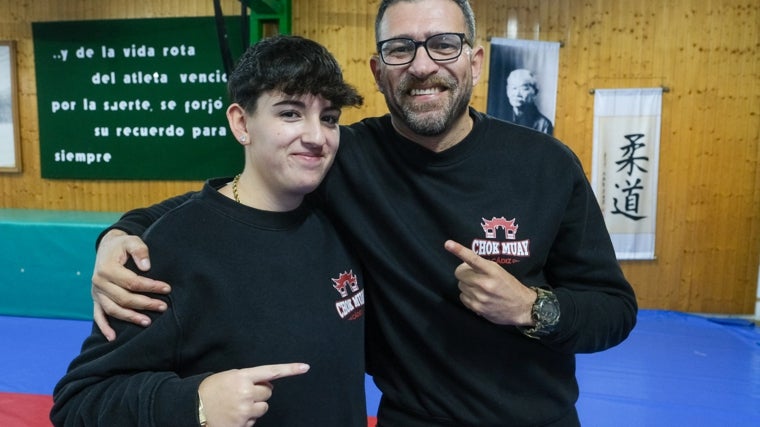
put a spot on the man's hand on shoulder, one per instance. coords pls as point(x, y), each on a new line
point(114, 285)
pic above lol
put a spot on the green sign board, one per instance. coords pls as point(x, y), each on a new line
point(134, 99)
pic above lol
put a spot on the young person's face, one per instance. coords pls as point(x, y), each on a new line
point(426, 96)
point(291, 144)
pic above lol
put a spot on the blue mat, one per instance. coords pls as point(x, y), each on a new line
point(675, 369)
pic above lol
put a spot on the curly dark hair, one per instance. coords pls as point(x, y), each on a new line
point(293, 65)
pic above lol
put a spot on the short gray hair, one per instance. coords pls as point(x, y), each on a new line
point(464, 6)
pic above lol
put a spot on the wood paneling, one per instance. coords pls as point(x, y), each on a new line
point(704, 51)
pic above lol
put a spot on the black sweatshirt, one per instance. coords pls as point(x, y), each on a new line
point(249, 288)
point(515, 196)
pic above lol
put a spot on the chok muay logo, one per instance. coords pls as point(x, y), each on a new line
point(351, 304)
point(500, 244)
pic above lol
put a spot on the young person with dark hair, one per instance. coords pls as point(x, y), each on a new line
point(245, 251)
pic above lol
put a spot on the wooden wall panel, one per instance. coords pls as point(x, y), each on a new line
point(27, 189)
point(704, 51)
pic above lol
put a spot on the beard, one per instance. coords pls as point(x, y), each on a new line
point(429, 119)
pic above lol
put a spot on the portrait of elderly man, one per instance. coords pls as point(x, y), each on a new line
point(522, 89)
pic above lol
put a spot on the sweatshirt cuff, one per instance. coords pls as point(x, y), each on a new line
point(176, 401)
point(566, 326)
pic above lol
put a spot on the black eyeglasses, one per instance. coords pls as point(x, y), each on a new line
point(439, 47)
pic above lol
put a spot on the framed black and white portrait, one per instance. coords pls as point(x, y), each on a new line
point(522, 86)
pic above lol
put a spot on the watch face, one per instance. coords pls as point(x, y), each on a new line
point(548, 310)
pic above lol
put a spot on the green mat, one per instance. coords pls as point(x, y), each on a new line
point(46, 261)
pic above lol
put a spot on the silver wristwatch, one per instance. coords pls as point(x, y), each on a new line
point(545, 314)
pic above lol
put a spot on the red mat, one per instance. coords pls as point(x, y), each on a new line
point(25, 410)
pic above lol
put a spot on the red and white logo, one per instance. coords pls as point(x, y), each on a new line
point(351, 304)
point(490, 226)
point(500, 243)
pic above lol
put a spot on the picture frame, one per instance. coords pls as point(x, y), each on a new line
point(523, 82)
point(10, 144)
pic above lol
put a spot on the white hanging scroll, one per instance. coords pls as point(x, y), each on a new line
point(625, 166)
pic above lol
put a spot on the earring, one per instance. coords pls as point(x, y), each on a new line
point(242, 138)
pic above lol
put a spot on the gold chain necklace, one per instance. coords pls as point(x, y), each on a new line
point(234, 188)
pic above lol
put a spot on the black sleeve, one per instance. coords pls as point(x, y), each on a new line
point(136, 221)
point(138, 378)
point(128, 382)
point(597, 304)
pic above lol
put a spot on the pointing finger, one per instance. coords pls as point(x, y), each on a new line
point(466, 255)
point(266, 373)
